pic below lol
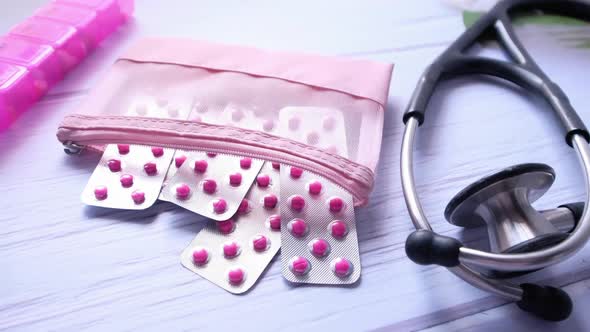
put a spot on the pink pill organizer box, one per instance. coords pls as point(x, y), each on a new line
point(38, 52)
point(273, 148)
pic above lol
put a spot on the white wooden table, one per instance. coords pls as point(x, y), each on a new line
point(68, 267)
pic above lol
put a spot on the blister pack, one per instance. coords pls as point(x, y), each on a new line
point(318, 225)
point(131, 176)
point(128, 177)
point(233, 253)
point(212, 185)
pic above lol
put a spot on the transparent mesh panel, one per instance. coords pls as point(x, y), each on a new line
point(232, 99)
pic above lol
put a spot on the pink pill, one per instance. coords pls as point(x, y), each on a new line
point(319, 247)
point(209, 186)
point(150, 168)
point(114, 165)
point(260, 243)
point(219, 205)
point(183, 191)
point(299, 265)
point(338, 229)
point(178, 161)
point(123, 148)
point(100, 193)
point(298, 227)
point(236, 276)
point(201, 166)
point(297, 202)
point(231, 249)
point(268, 125)
point(296, 172)
point(341, 267)
point(245, 163)
point(226, 226)
point(200, 256)
point(274, 222)
point(276, 165)
point(263, 180)
point(329, 123)
point(211, 154)
point(313, 138)
point(157, 151)
point(126, 180)
point(244, 207)
point(270, 201)
point(294, 123)
point(138, 197)
point(336, 204)
point(314, 187)
point(235, 179)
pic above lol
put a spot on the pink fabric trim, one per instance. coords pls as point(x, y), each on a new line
point(360, 78)
point(87, 130)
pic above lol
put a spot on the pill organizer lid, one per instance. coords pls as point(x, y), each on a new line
point(23, 52)
point(9, 74)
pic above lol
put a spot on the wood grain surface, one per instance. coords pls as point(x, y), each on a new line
point(68, 267)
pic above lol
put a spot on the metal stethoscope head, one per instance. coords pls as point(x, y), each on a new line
point(521, 238)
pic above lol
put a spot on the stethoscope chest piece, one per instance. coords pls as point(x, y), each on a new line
point(502, 203)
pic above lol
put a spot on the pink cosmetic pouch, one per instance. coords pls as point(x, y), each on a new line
point(203, 96)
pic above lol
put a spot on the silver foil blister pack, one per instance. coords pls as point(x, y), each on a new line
point(234, 253)
point(212, 185)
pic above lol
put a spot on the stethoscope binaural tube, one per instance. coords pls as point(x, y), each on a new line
point(425, 246)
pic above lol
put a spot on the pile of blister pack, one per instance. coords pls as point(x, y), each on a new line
point(254, 207)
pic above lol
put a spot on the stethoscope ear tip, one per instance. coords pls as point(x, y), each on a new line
point(546, 302)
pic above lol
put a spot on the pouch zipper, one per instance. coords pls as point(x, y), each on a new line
point(77, 138)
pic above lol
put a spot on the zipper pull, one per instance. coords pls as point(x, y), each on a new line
point(71, 148)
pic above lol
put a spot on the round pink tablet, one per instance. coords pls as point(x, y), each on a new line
point(211, 154)
point(313, 138)
point(201, 166)
point(338, 229)
point(297, 202)
point(299, 265)
point(138, 197)
point(200, 256)
point(209, 186)
point(157, 151)
point(263, 180)
point(336, 204)
point(114, 165)
point(100, 193)
point(123, 148)
point(329, 123)
point(268, 125)
point(231, 249)
point(319, 247)
point(274, 222)
point(126, 180)
point(260, 243)
point(276, 165)
point(314, 187)
point(294, 123)
point(183, 191)
point(226, 226)
point(235, 179)
point(270, 201)
point(150, 168)
point(236, 276)
point(298, 227)
point(219, 205)
point(244, 207)
point(341, 267)
point(178, 161)
point(245, 163)
point(296, 172)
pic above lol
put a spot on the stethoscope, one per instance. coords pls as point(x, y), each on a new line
point(522, 239)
